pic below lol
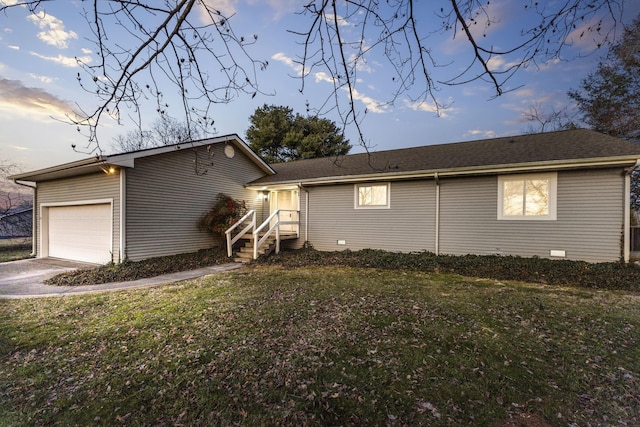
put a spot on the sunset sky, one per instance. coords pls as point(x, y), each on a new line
point(38, 84)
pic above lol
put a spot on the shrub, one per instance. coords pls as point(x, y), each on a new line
point(226, 211)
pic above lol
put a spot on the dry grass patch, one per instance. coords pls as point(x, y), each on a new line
point(324, 346)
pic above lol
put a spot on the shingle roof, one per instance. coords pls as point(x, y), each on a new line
point(97, 164)
point(552, 147)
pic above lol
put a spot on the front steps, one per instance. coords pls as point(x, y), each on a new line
point(245, 253)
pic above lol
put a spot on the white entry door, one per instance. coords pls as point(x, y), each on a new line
point(288, 202)
point(81, 233)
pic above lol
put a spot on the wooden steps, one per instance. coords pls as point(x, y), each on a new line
point(245, 253)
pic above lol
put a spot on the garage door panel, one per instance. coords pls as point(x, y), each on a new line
point(80, 232)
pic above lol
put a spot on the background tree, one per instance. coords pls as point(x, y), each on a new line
point(541, 118)
point(193, 46)
point(609, 98)
point(13, 198)
point(278, 135)
point(164, 131)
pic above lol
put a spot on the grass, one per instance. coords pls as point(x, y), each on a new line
point(15, 249)
point(319, 345)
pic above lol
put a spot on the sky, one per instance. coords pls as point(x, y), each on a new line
point(39, 69)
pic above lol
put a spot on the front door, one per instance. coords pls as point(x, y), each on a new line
point(288, 201)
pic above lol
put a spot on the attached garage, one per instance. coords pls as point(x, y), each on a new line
point(81, 232)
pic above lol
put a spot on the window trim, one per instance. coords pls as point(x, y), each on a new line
point(356, 192)
point(553, 196)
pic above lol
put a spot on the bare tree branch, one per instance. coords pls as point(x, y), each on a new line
point(140, 45)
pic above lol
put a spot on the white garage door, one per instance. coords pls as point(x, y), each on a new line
point(81, 233)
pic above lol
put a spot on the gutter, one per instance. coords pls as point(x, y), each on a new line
point(626, 233)
point(306, 212)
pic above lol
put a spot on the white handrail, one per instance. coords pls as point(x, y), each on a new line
point(276, 226)
point(252, 225)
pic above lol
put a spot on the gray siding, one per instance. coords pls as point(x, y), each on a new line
point(165, 197)
point(408, 225)
point(588, 227)
point(76, 189)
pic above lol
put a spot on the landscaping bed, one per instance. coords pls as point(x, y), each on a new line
point(535, 270)
point(130, 270)
point(614, 275)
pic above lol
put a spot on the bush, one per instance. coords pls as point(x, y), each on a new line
point(226, 211)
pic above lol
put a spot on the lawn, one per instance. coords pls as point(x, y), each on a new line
point(14, 249)
point(318, 345)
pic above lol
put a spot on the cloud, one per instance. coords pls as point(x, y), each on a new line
point(281, 7)
point(443, 111)
point(297, 67)
point(43, 79)
point(66, 61)
point(321, 76)
point(361, 63)
point(371, 104)
point(229, 7)
point(475, 133)
point(524, 93)
point(53, 32)
point(209, 8)
point(498, 63)
point(330, 17)
point(16, 97)
point(591, 34)
point(490, 18)
point(14, 47)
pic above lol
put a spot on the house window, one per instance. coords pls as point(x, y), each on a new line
point(371, 196)
point(527, 197)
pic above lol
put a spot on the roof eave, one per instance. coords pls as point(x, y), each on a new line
point(464, 171)
point(97, 164)
point(78, 167)
point(128, 159)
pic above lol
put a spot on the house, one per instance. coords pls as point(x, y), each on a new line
point(141, 204)
point(558, 195)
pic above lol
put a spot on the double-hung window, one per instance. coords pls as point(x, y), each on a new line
point(527, 197)
point(372, 196)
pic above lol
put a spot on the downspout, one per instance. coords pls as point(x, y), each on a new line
point(306, 213)
point(626, 250)
point(123, 215)
point(437, 237)
point(34, 222)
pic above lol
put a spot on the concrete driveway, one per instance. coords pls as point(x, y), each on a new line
point(25, 278)
point(28, 275)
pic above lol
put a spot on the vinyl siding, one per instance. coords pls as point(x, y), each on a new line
point(408, 225)
point(76, 189)
point(165, 198)
point(590, 206)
